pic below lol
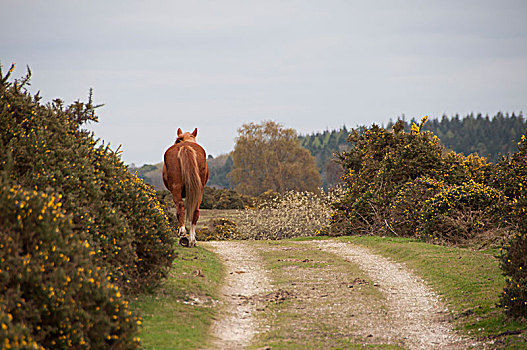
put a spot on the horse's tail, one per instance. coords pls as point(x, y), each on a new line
point(191, 180)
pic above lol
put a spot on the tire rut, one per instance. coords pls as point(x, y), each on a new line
point(246, 280)
point(421, 318)
point(408, 313)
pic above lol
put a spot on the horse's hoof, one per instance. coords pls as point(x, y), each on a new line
point(184, 241)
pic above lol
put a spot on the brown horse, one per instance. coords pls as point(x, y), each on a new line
point(185, 174)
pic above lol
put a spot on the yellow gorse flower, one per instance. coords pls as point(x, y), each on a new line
point(415, 128)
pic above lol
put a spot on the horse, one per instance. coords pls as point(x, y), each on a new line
point(185, 173)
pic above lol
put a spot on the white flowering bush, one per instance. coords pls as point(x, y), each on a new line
point(293, 214)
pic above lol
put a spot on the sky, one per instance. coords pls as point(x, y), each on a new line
point(310, 65)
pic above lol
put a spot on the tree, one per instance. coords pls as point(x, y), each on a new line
point(269, 157)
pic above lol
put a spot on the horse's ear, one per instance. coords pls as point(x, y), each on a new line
point(195, 132)
point(179, 132)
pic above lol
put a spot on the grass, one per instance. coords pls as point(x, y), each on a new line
point(178, 314)
point(470, 282)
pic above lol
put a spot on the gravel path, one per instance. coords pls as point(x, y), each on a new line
point(246, 281)
point(420, 317)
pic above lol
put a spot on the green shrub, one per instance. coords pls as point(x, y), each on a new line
point(214, 198)
point(514, 265)
point(511, 177)
point(167, 205)
point(46, 150)
point(380, 163)
point(463, 214)
point(405, 209)
point(478, 169)
point(14, 335)
point(218, 229)
point(52, 294)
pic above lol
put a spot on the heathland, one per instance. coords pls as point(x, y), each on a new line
point(88, 256)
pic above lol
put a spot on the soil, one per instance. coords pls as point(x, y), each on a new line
point(326, 294)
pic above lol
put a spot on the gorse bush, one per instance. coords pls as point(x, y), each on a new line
point(225, 199)
point(380, 163)
point(218, 229)
point(390, 175)
point(514, 265)
point(45, 150)
point(53, 295)
point(468, 213)
point(408, 184)
point(511, 177)
point(79, 233)
point(293, 214)
point(405, 208)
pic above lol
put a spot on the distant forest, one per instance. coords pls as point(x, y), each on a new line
point(487, 136)
point(484, 135)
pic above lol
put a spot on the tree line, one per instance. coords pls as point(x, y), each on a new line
point(489, 137)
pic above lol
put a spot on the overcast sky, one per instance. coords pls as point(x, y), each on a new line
point(310, 65)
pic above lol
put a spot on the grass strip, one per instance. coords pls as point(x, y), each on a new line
point(177, 315)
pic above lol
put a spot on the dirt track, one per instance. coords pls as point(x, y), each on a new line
point(246, 279)
point(334, 294)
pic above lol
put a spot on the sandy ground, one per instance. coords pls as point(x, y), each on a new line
point(410, 314)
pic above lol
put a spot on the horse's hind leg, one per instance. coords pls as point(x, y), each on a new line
point(180, 209)
point(193, 223)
